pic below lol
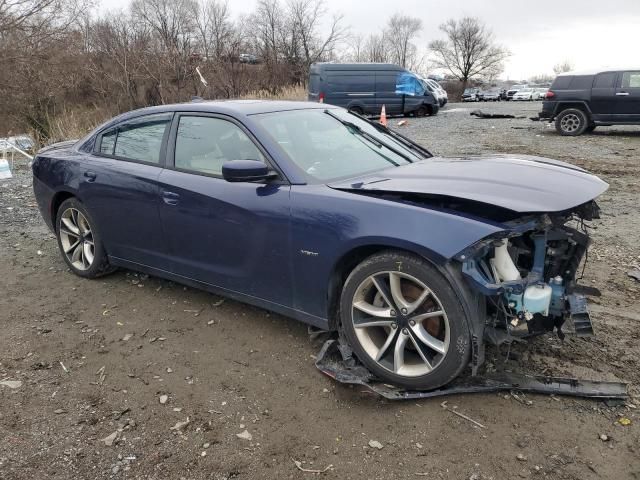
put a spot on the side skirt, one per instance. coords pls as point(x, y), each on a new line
point(301, 316)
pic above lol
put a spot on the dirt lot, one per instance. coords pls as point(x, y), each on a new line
point(95, 359)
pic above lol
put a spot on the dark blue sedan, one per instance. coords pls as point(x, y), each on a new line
point(316, 213)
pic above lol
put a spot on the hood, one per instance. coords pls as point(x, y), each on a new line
point(523, 184)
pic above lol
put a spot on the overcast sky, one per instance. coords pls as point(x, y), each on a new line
point(589, 33)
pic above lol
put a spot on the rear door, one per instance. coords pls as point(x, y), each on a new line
point(627, 97)
point(603, 96)
point(231, 235)
point(120, 188)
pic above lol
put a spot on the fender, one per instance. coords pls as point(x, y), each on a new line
point(564, 104)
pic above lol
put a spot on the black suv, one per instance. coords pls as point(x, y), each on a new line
point(579, 102)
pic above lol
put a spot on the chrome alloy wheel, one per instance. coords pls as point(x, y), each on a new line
point(400, 323)
point(570, 123)
point(76, 239)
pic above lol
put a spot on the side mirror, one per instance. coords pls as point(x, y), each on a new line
point(245, 171)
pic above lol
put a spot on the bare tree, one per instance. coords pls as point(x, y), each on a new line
point(213, 24)
point(118, 47)
point(541, 78)
point(469, 51)
point(171, 64)
point(376, 49)
point(306, 17)
point(563, 67)
point(400, 32)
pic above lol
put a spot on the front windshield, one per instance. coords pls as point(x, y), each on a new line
point(527, 90)
point(326, 149)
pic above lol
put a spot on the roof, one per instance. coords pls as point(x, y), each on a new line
point(232, 107)
point(356, 66)
point(595, 71)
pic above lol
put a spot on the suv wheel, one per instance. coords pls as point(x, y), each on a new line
point(572, 122)
point(404, 321)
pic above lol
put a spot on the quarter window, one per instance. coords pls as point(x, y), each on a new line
point(108, 142)
point(631, 80)
point(203, 144)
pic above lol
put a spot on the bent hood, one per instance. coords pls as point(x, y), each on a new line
point(524, 184)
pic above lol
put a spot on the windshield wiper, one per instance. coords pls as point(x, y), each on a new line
point(369, 137)
point(397, 136)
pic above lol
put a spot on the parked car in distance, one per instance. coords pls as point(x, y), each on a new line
point(440, 92)
point(492, 95)
point(471, 95)
point(513, 90)
point(23, 142)
point(539, 93)
point(365, 87)
point(524, 94)
point(579, 102)
point(248, 58)
point(316, 213)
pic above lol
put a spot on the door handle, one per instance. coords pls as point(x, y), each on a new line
point(90, 176)
point(622, 94)
point(170, 198)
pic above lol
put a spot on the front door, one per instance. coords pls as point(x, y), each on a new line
point(231, 235)
point(627, 98)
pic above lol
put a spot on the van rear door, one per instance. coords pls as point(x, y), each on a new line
point(314, 86)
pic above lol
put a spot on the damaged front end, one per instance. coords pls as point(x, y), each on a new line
point(528, 273)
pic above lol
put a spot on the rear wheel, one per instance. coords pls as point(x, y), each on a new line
point(357, 110)
point(404, 321)
point(571, 122)
point(421, 111)
point(79, 240)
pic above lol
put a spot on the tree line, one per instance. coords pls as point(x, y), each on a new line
point(57, 56)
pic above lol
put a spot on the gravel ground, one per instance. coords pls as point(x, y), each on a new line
point(110, 370)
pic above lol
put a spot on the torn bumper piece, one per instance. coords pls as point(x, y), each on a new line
point(331, 362)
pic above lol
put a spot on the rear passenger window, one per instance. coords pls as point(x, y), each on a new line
point(139, 140)
point(581, 82)
point(631, 80)
point(605, 80)
point(203, 144)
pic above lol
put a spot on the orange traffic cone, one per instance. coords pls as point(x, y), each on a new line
point(383, 116)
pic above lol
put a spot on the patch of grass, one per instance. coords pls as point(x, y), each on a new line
point(297, 92)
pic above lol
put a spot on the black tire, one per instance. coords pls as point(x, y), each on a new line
point(99, 266)
point(590, 128)
point(572, 122)
point(456, 356)
point(357, 110)
point(421, 111)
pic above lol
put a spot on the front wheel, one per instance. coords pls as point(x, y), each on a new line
point(79, 240)
point(404, 321)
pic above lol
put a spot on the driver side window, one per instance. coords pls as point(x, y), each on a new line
point(203, 144)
